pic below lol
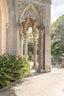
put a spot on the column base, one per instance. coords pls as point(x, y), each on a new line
point(46, 70)
point(41, 70)
point(35, 67)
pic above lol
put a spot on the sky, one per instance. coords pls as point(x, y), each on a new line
point(57, 9)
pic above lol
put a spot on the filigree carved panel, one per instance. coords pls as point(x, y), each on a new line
point(29, 14)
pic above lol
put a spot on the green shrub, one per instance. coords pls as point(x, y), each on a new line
point(12, 68)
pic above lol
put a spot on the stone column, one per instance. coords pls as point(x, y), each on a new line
point(21, 40)
point(41, 66)
point(62, 60)
point(26, 45)
point(35, 48)
point(18, 39)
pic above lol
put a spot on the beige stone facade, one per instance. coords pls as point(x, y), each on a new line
point(4, 21)
point(23, 14)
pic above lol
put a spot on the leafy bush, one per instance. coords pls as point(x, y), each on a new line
point(57, 37)
point(12, 68)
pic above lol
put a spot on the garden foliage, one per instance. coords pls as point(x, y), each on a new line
point(57, 37)
point(12, 68)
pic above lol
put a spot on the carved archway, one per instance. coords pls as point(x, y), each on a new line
point(39, 14)
point(29, 12)
point(28, 23)
point(4, 24)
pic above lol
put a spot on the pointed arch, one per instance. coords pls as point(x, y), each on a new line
point(33, 8)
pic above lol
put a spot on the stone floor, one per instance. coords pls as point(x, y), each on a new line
point(46, 84)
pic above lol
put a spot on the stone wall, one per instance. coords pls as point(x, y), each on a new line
point(41, 10)
point(11, 32)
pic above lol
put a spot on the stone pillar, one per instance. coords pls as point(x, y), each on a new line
point(11, 39)
point(41, 66)
point(35, 48)
point(21, 40)
point(26, 45)
point(18, 39)
point(62, 60)
point(47, 49)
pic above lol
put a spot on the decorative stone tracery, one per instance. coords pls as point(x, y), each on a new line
point(29, 12)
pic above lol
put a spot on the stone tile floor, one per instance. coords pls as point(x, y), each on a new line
point(45, 84)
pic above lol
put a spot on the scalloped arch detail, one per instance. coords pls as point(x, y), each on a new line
point(33, 8)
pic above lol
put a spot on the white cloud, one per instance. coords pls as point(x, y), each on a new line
point(56, 11)
point(53, 16)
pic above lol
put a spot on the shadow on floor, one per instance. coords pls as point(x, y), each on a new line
point(35, 73)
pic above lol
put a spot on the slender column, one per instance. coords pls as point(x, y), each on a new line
point(26, 45)
point(41, 67)
point(21, 40)
point(35, 48)
point(18, 40)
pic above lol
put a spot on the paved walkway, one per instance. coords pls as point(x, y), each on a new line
point(47, 84)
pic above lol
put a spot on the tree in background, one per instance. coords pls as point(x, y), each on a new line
point(57, 37)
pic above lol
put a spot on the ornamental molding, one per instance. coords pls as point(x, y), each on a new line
point(29, 12)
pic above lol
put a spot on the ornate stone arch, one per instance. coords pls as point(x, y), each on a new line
point(29, 12)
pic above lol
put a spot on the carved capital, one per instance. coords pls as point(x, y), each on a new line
point(25, 35)
point(34, 33)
